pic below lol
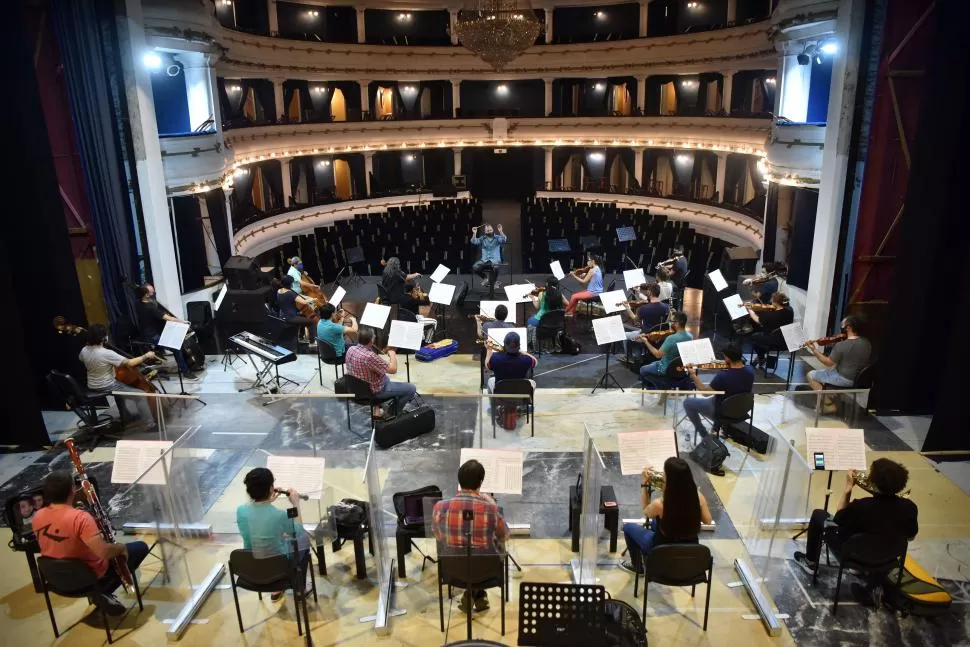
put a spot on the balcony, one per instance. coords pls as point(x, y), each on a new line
point(794, 154)
point(193, 160)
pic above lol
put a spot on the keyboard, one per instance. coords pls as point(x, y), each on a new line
point(263, 348)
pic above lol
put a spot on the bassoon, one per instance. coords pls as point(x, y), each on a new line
point(100, 517)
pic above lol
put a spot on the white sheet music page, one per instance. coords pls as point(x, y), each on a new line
point(135, 460)
point(406, 334)
point(441, 293)
point(440, 273)
point(794, 336)
point(173, 334)
point(337, 296)
point(634, 278)
point(375, 315)
point(302, 473)
point(843, 449)
point(735, 306)
point(608, 329)
point(556, 268)
point(498, 336)
point(717, 280)
point(519, 293)
point(503, 468)
point(611, 301)
point(698, 351)
point(488, 308)
point(639, 449)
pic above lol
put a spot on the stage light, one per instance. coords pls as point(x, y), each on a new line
point(597, 157)
point(829, 48)
point(600, 15)
point(682, 159)
point(770, 80)
point(152, 61)
point(598, 87)
point(502, 89)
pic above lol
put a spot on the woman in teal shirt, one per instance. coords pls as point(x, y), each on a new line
point(550, 299)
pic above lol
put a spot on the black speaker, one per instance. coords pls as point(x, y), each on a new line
point(241, 273)
point(444, 191)
point(736, 261)
point(244, 306)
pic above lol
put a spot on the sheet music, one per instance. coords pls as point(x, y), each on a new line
point(608, 329)
point(519, 293)
point(611, 301)
point(302, 473)
point(441, 293)
point(639, 449)
point(556, 268)
point(173, 334)
point(634, 278)
point(843, 449)
point(503, 468)
point(625, 234)
point(375, 315)
point(133, 461)
point(794, 336)
point(337, 296)
point(735, 306)
point(717, 280)
point(406, 334)
point(440, 273)
point(222, 295)
point(488, 308)
point(498, 335)
point(696, 352)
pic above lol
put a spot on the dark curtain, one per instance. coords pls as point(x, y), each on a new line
point(89, 52)
point(802, 234)
point(216, 203)
point(437, 167)
point(189, 240)
point(273, 177)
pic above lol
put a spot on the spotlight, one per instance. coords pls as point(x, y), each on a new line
point(597, 157)
point(600, 15)
point(173, 70)
point(598, 87)
point(502, 89)
point(682, 159)
point(409, 158)
point(829, 48)
point(152, 61)
point(770, 80)
point(803, 59)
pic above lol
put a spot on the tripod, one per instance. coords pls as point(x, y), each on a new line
point(604, 382)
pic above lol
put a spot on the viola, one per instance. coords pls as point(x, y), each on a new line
point(830, 340)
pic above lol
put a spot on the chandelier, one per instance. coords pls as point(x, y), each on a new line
point(498, 31)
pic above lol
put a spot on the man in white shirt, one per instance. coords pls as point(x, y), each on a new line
point(296, 271)
point(101, 362)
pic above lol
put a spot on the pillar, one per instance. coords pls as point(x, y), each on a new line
point(229, 227)
point(452, 24)
point(548, 167)
point(274, 18)
point(721, 174)
point(279, 107)
point(638, 166)
point(368, 169)
point(364, 95)
point(548, 102)
point(547, 17)
point(208, 239)
point(199, 90)
point(835, 161)
point(732, 11)
point(456, 152)
point(287, 184)
point(361, 35)
point(147, 157)
point(643, 20)
point(455, 96)
point(728, 89)
point(642, 94)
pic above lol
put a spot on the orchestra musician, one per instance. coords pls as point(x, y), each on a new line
point(394, 279)
point(847, 359)
point(151, 321)
point(66, 532)
point(336, 328)
point(296, 272)
point(290, 304)
point(483, 323)
point(654, 375)
point(363, 362)
point(417, 302)
point(677, 268)
point(736, 378)
point(590, 276)
point(664, 283)
point(100, 363)
point(768, 323)
point(510, 363)
point(548, 300)
point(649, 316)
point(491, 245)
point(770, 281)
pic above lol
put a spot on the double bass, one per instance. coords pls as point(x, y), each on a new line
point(129, 375)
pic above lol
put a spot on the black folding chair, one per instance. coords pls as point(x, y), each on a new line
point(733, 410)
point(327, 354)
point(268, 575)
point(521, 387)
point(361, 395)
point(676, 565)
point(85, 405)
point(479, 573)
point(409, 508)
point(551, 324)
point(870, 553)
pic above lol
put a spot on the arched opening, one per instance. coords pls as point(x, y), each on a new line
point(668, 99)
point(620, 100)
point(384, 108)
point(572, 174)
point(618, 175)
point(341, 179)
point(338, 105)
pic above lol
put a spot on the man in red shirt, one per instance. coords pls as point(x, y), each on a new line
point(363, 362)
point(65, 532)
point(486, 529)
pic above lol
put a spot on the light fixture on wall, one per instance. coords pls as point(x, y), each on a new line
point(409, 89)
point(501, 89)
point(829, 47)
point(597, 157)
point(320, 89)
point(312, 13)
point(323, 163)
point(152, 61)
point(770, 80)
point(409, 158)
point(600, 15)
point(693, 5)
point(598, 87)
point(404, 17)
point(239, 172)
point(497, 31)
point(173, 70)
point(682, 159)
point(688, 83)
point(225, 3)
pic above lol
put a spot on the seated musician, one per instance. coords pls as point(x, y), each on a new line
point(289, 302)
point(678, 274)
point(336, 330)
point(100, 363)
point(418, 305)
point(769, 283)
point(510, 363)
point(884, 513)
point(267, 530)
point(151, 322)
point(295, 271)
point(592, 279)
point(654, 375)
point(549, 300)
point(665, 284)
point(66, 532)
point(486, 530)
point(649, 316)
point(767, 335)
point(847, 359)
point(675, 517)
point(736, 378)
point(394, 279)
point(363, 362)
point(484, 323)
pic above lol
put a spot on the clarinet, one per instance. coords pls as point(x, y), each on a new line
point(100, 517)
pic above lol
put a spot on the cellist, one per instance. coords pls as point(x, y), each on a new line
point(101, 362)
point(292, 306)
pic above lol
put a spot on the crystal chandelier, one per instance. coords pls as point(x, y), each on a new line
point(498, 31)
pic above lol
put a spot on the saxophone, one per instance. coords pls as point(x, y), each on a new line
point(861, 479)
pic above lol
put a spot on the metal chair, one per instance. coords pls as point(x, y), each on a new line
point(85, 404)
point(734, 409)
point(550, 325)
point(479, 573)
point(676, 565)
point(268, 575)
point(872, 553)
point(73, 578)
point(411, 524)
point(361, 395)
point(327, 354)
point(521, 387)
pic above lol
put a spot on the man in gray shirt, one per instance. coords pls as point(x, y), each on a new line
point(847, 359)
point(101, 362)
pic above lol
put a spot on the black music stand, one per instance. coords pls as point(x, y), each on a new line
point(590, 243)
point(627, 235)
point(604, 382)
point(575, 619)
point(172, 346)
point(353, 256)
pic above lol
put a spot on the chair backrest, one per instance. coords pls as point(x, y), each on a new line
point(736, 407)
point(477, 570)
point(67, 387)
point(406, 315)
point(553, 320)
point(409, 506)
point(358, 387)
point(327, 352)
point(514, 387)
point(874, 552)
point(864, 379)
point(259, 571)
point(383, 294)
point(678, 564)
point(67, 577)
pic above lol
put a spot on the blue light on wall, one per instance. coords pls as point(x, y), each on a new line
point(819, 88)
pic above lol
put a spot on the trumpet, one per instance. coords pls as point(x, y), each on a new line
point(861, 479)
point(490, 344)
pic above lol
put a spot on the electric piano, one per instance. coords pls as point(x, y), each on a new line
point(269, 354)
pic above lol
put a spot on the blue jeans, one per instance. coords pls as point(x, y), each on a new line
point(696, 407)
point(533, 322)
point(137, 552)
point(642, 538)
point(179, 357)
point(652, 377)
point(402, 391)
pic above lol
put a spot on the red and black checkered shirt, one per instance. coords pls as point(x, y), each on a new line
point(364, 364)
point(488, 528)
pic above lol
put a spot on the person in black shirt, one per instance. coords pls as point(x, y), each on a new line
point(394, 279)
point(414, 302)
point(649, 317)
point(767, 334)
point(289, 304)
point(735, 379)
point(884, 513)
point(151, 322)
point(678, 275)
point(764, 288)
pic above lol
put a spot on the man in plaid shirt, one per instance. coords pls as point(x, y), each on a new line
point(363, 362)
point(487, 528)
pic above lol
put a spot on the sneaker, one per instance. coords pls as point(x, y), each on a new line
point(110, 604)
point(276, 597)
point(627, 565)
point(481, 604)
point(807, 565)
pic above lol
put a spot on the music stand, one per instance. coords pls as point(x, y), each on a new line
point(590, 243)
point(604, 382)
point(626, 235)
point(354, 255)
point(576, 619)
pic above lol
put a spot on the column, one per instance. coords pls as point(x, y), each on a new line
point(452, 23)
point(726, 93)
point(455, 97)
point(456, 152)
point(229, 228)
point(643, 19)
point(361, 36)
point(274, 19)
point(197, 89)
point(732, 14)
point(368, 169)
point(547, 17)
point(548, 167)
point(548, 103)
point(147, 156)
point(211, 251)
point(721, 174)
point(279, 107)
point(638, 166)
point(642, 94)
point(287, 184)
point(364, 95)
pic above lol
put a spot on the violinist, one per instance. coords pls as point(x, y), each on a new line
point(484, 323)
point(590, 276)
point(677, 268)
point(335, 328)
point(665, 284)
point(290, 302)
point(736, 378)
point(649, 316)
point(547, 300)
point(770, 282)
point(100, 363)
point(417, 303)
point(768, 323)
point(151, 321)
point(847, 359)
point(394, 279)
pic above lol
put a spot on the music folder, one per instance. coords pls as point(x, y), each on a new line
point(173, 334)
point(559, 245)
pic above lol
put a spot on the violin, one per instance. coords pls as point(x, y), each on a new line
point(762, 307)
point(537, 291)
point(581, 272)
point(657, 336)
point(828, 341)
point(669, 261)
point(129, 375)
point(763, 278)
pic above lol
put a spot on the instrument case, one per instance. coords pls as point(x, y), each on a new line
point(437, 350)
point(918, 593)
point(405, 426)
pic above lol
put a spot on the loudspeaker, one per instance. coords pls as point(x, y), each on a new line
point(459, 182)
point(444, 191)
point(736, 261)
point(245, 306)
point(241, 273)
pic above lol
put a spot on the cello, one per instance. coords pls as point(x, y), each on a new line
point(129, 375)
